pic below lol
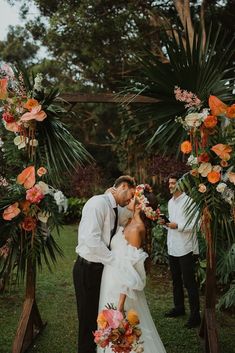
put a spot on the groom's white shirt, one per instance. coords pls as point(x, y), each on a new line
point(95, 228)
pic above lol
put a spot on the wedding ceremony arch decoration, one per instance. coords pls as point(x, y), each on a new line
point(39, 150)
point(194, 70)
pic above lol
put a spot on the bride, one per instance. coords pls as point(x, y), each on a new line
point(123, 283)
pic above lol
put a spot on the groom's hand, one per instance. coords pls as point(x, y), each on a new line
point(172, 225)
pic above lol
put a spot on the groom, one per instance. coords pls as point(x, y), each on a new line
point(100, 218)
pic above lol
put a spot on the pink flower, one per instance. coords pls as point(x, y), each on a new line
point(34, 195)
point(13, 127)
point(114, 317)
point(35, 114)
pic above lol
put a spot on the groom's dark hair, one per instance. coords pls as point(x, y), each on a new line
point(125, 179)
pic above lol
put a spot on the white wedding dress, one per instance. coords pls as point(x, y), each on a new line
point(128, 277)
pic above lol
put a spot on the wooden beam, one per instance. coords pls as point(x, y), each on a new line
point(107, 98)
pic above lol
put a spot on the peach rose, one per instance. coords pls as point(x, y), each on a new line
point(204, 169)
point(223, 151)
point(41, 171)
point(186, 147)
point(231, 177)
point(133, 317)
point(213, 177)
point(11, 212)
point(210, 121)
point(202, 188)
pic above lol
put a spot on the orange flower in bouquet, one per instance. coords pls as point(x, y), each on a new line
point(27, 177)
point(210, 122)
point(186, 147)
point(119, 333)
point(213, 177)
point(31, 103)
point(11, 212)
point(223, 151)
point(230, 112)
point(29, 224)
point(217, 107)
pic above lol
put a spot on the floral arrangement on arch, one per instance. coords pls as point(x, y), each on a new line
point(118, 332)
point(210, 148)
point(37, 149)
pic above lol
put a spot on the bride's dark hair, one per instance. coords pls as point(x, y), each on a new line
point(148, 223)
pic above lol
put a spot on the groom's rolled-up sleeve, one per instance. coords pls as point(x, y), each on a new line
point(91, 245)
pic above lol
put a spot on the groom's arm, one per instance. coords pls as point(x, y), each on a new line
point(91, 244)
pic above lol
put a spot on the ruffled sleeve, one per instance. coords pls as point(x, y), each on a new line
point(129, 271)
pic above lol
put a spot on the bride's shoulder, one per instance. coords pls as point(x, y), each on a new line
point(135, 235)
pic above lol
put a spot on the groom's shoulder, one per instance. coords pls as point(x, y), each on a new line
point(97, 200)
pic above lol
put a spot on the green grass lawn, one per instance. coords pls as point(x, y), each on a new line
point(56, 302)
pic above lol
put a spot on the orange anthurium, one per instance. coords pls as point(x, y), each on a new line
point(186, 147)
point(213, 177)
point(223, 151)
point(27, 177)
point(11, 212)
point(210, 121)
point(230, 112)
point(3, 88)
point(14, 127)
point(35, 114)
point(31, 103)
point(217, 107)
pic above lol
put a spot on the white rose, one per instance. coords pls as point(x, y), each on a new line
point(204, 169)
point(194, 119)
point(192, 160)
point(43, 187)
point(221, 187)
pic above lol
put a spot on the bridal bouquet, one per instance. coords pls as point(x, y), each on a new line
point(118, 332)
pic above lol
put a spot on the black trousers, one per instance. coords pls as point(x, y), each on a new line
point(183, 273)
point(87, 279)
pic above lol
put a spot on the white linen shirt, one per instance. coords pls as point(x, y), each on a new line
point(182, 240)
point(95, 228)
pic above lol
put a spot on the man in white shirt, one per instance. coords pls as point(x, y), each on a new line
point(182, 247)
point(98, 224)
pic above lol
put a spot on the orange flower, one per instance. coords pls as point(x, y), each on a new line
point(3, 88)
point(230, 112)
point(27, 177)
point(213, 177)
point(29, 224)
point(35, 114)
point(25, 206)
point(41, 171)
point(101, 321)
point(11, 212)
point(133, 317)
point(186, 147)
point(31, 103)
point(223, 151)
point(217, 107)
point(13, 127)
point(210, 121)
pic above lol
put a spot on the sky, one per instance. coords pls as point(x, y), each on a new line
point(9, 15)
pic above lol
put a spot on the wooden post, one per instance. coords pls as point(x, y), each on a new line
point(30, 324)
point(208, 329)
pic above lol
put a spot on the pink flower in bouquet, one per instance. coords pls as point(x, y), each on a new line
point(29, 224)
point(34, 195)
point(35, 114)
point(13, 127)
point(113, 317)
point(8, 117)
point(3, 88)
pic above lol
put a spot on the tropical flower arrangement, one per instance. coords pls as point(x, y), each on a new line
point(38, 150)
point(211, 155)
point(118, 332)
